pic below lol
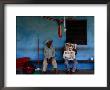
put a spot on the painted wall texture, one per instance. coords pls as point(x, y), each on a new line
point(29, 29)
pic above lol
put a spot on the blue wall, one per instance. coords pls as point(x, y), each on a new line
point(28, 29)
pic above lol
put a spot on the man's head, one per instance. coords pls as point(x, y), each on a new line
point(67, 45)
point(49, 43)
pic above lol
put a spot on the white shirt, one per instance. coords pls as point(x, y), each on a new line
point(69, 55)
point(49, 52)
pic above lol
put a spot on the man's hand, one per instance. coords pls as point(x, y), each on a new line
point(51, 58)
point(47, 59)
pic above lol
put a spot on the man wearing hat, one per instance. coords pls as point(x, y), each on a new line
point(49, 56)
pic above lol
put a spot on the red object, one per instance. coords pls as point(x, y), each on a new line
point(21, 61)
point(24, 66)
point(28, 68)
point(59, 22)
point(59, 31)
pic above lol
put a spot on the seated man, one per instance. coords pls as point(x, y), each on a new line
point(49, 56)
point(69, 57)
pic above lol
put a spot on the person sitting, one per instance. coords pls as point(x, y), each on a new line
point(49, 56)
point(69, 57)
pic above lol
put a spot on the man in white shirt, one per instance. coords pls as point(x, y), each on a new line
point(49, 56)
point(69, 57)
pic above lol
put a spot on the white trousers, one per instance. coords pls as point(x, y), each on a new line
point(45, 64)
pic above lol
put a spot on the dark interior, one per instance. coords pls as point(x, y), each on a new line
point(76, 31)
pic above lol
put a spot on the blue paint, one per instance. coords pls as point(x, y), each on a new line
point(28, 29)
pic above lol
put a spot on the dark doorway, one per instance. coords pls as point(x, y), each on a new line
point(76, 31)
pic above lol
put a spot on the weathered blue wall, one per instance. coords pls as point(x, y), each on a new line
point(28, 29)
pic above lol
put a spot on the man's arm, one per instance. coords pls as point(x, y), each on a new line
point(44, 52)
point(53, 52)
point(75, 51)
